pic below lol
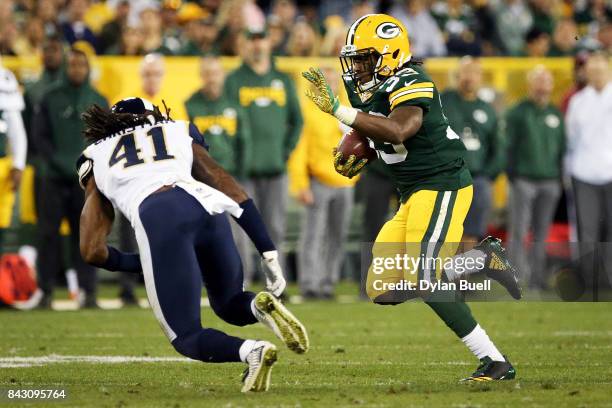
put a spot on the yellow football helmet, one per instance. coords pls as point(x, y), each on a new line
point(376, 46)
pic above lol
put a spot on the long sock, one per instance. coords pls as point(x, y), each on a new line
point(465, 264)
point(209, 345)
point(246, 348)
point(481, 345)
point(453, 312)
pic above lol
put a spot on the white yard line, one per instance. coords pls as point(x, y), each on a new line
point(14, 362)
point(20, 362)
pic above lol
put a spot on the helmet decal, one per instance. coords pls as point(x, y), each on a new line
point(388, 30)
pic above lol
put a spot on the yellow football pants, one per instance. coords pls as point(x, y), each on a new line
point(413, 246)
point(7, 196)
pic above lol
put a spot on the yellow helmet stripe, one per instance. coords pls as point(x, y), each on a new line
point(350, 35)
point(413, 86)
point(411, 96)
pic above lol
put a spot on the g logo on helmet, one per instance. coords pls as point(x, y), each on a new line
point(388, 30)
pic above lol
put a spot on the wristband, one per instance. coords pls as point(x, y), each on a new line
point(346, 115)
point(120, 261)
point(251, 222)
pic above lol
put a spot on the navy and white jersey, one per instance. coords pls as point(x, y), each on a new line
point(130, 165)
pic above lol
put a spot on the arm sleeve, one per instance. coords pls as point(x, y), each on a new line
point(295, 120)
point(17, 138)
point(84, 166)
point(121, 261)
point(251, 222)
point(197, 136)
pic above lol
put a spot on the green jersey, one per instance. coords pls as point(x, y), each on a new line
point(223, 125)
point(432, 159)
point(475, 121)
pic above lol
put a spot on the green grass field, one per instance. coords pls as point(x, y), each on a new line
point(361, 355)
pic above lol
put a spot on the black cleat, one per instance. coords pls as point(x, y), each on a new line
point(498, 267)
point(490, 370)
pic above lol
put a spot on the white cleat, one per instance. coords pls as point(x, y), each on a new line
point(256, 377)
point(273, 314)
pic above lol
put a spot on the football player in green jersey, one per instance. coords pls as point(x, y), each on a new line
point(397, 106)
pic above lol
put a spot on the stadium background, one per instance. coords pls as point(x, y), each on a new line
point(478, 27)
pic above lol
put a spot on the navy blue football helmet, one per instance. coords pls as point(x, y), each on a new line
point(136, 106)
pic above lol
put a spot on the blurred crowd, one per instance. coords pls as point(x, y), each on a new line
point(257, 130)
point(306, 28)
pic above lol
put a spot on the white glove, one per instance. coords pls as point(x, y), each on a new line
point(275, 281)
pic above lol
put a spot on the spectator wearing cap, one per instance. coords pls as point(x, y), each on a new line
point(201, 37)
point(273, 110)
point(513, 20)
point(475, 121)
point(171, 30)
point(425, 37)
point(56, 132)
point(537, 43)
point(536, 145)
point(112, 31)
point(589, 161)
point(75, 29)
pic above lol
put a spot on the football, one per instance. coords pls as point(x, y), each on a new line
point(355, 143)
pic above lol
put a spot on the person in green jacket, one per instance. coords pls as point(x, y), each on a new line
point(536, 145)
point(52, 61)
point(56, 131)
point(273, 110)
point(222, 122)
point(475, 121)
point(225, 127)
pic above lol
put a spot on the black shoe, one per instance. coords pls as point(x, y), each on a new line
point(490, 370)
point(310, 295)
point(128, 299)
point(45, 302)
point(327, 296)
point(498, 267)
point(89, 303)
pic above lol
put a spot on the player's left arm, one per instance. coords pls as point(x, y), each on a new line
point(207, 170)
point(403, 122)
point(96, 222)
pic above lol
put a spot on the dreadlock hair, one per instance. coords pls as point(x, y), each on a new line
point(102, 122)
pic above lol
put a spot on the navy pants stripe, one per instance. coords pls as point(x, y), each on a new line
point(182, 246)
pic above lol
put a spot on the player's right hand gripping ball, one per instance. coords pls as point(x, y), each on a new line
point(352, 154)
point(324, 98)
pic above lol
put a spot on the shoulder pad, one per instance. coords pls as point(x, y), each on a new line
point(84, 167)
